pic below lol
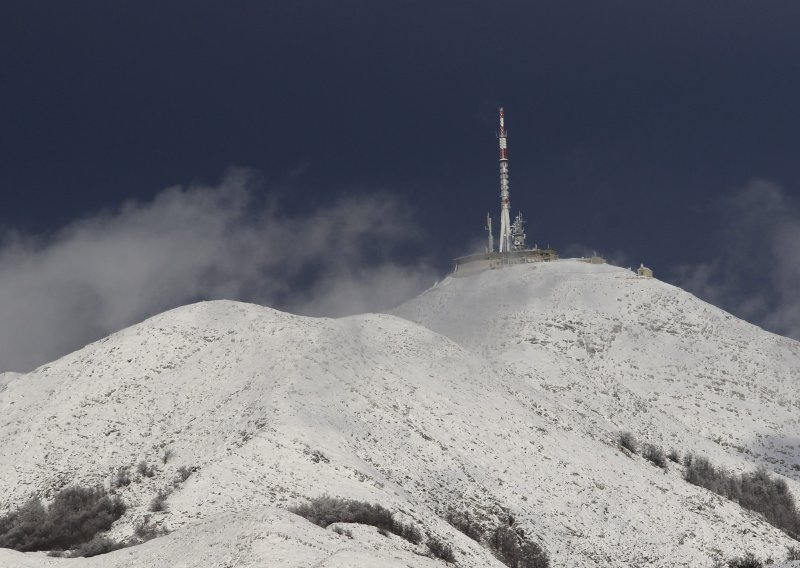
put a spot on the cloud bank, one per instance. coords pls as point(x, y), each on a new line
point(757, 274)
point(113, 269)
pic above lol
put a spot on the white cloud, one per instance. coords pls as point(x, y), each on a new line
point(757, 272)
point(107, 271)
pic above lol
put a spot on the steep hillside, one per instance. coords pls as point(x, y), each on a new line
point(633, 350)
point(6, 378)
point(498, 405)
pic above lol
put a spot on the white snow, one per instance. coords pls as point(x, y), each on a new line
point(505, 397)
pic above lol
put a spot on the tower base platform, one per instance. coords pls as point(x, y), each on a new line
point(474, 263)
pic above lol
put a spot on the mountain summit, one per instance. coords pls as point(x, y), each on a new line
point(498, 396)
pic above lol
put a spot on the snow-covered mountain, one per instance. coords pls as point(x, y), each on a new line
point(498, 393)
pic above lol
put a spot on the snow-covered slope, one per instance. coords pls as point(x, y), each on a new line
point(6, 378)
point(603, 339)
point(506, 400)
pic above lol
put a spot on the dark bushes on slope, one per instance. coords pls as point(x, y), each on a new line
point(74, 517)
point(508, 543)
point(182, 474)
point(513, 549)
point(757, 491)
point(159, 502)
point(463, 522)
point(749, 560)
point(409, 532)
point(324, 511)
point(121, 479)
point(655, 455)
point(145, 470)
point(441, 550)
point(628, 441)
point(97, 546)
point(145, 530)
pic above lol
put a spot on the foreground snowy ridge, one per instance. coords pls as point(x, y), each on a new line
point(499, 393)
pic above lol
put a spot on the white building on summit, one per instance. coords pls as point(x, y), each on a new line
point(511, 246)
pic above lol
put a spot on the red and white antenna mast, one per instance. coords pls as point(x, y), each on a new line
point(505, 202)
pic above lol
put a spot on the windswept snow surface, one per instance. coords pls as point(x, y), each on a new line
point(6, 378)
point(591, 333)
point(507, 399)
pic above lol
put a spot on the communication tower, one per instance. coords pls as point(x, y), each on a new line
point(511, 248)
point(505, 201)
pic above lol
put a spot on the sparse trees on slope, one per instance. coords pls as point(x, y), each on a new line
point(326, 510)
point(74, 517)
point(515, 550)
point(628, 442)
point(757, 491)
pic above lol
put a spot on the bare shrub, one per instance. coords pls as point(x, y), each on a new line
point(159, 502)
point(792, 553)
point(318, 457)
point(674, 456)
point(145, 470)
point(74, 517)
point(324, 511)
point(441, 550)
point(407, 531)
point(183, 473)
point(700, 471)
point(654, 455)
point(97, 546)
point(513, 549)
point(749, 560)
point(168, 453)
point(344, 532)
point(146, 530)
point(463, 522)
point(121, 479)
point(628, 441)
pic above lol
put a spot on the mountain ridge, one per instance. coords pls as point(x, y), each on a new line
point(272, 409)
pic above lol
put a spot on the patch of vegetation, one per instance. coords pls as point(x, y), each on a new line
point(183, 473)
point(318, 457)
point(674, 456)
point(757, 491)
point(344, 532)
point(628, 441)
point(408, 531)
point(145, 530)
point(159, 502)
point(76, 516)
point(324, 511)
point(792, 553)
point(168, 453)
point(441, 550)
point(513, 549)
point(463, 522)
point(654, 455)
point(749, 560)
point(145, 470)
point(97, 546)
point(121, 479)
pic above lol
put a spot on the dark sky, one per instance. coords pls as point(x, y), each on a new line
point(628, 121)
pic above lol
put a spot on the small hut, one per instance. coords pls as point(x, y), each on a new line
point(644, 272)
